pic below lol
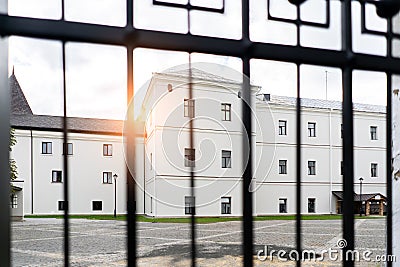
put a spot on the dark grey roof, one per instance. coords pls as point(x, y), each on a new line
point(19, 104)
point(364, 197)
point(22, 117)
point(198, 74)
point(55, 123)
point(323, 104)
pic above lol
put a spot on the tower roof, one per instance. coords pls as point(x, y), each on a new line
point(19, 104)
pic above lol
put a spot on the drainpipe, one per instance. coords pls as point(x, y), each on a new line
point(330, 161)
point(31, 172)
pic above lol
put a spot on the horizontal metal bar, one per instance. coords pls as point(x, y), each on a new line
point(299, 21)
point(92, 33)
point(191, 7)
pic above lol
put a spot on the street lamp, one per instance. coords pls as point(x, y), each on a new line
point(361, 180)
point(115, 195)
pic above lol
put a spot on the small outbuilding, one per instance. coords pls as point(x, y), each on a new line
point(366, 204)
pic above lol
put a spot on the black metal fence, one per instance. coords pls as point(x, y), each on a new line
point(246, 49)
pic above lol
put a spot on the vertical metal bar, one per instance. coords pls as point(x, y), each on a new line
point(348, 142)
point(131, 188)
point(348, 176)
point(247, 139)
point(65, 164)
point(130, 172)
point(298, 169)
point(191, 145)
point(129, 13)
point(192, 184)
point(5, 235)
point(389, 223)
point(298, 150)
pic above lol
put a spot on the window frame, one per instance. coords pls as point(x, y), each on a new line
point(282, 129)
point(108, 179)
point(312, 129)
point(374, 169)
point(190, 203)
point(97, 202)
point(341, 168)
point(311, 201)
point(226, 111)
point(282, 207)
point(282, 168)
point(66, 147)
point(14, 201)
point(226, 207)
point(226, 161)
point(312, 167)
point(373, 132)
point(188, 108)
point(61, 205)
point(107, 150)
point(47, 148)
point(60, 180)
point(190, 157)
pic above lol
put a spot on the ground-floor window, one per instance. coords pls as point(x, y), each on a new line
point(311, 205)
point(189, 205)
point(282, 205)
point(62, 205)
point(97, 205)
point(225, 205)
point(14, 201)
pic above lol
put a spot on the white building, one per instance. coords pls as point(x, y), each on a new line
point(164, 158)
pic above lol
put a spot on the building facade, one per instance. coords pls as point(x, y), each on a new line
point(164, 159)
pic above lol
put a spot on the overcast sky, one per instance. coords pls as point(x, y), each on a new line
point(96, 74)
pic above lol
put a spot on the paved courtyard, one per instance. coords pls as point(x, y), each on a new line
point(38, 242)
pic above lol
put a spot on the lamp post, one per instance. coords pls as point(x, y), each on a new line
point(361, 180)
point(115, 195)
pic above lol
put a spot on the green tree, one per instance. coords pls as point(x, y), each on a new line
point(13, 164)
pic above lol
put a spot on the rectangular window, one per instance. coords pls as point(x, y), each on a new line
point(151, 204)
point(69, 148)
point(311, 167)
point(189, 205)
point(341, 168)
point(225, 205)
point(151, 161)
point(226, 111)
point(97, 205)
point(62, 205)
point(311, 205)
point(282, 127)
point(374, 132)
point(56, 176)
point(311, 129)
point(341, 130)
point(13, 201)
point(107, 177)
point(226, 159)
point(374, 169)
point(283, 166)
point(107, 150)
point(189, 108)
point(282, 205)
point(47, 147)
point(190, 157)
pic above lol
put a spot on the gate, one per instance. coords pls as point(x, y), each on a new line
point(246, 49)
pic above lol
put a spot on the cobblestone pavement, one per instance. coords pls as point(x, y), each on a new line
point(38, 242)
